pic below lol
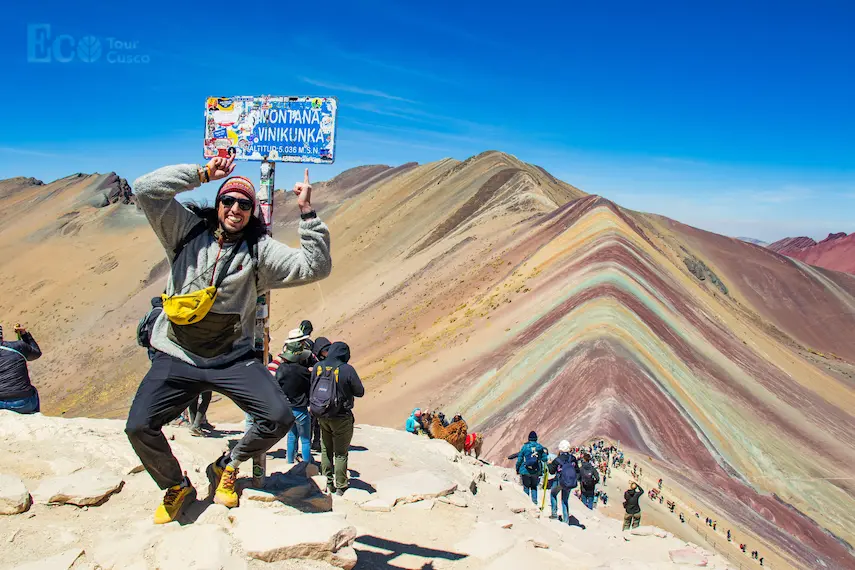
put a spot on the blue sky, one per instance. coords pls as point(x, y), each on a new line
point(736, 117)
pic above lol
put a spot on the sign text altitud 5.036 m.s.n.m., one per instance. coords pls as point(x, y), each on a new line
point(279, 129)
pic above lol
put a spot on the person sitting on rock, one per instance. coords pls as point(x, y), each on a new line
point(565, 467)
point(17, 392)
point(530, 465)
point(413, 426)
point(334, 385)
point(205, 335)
point(632, 518)
point(588, 479)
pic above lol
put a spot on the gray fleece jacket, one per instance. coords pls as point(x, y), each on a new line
point(227, 332)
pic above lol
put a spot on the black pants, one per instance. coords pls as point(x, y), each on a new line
point(316, 434)
point(171, 385)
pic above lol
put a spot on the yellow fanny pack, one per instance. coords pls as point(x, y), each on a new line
point(190, 308)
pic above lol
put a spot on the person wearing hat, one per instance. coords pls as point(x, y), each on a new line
point(565, 467)
point(530, 465)
point(221, 259)
point(412, 424)
point(293, 376)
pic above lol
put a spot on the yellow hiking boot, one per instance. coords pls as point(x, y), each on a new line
point(174, 499)
point(226, 494)
point(215, 473)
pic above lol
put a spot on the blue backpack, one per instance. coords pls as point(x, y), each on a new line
point(532, 459)
point(566, 472)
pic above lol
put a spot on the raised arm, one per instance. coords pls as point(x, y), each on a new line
point(26, 345)
point(155, 193)
point(283, 266)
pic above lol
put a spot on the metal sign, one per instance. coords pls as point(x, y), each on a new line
point(280, 129)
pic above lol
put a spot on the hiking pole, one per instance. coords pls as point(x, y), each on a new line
point(262, 303)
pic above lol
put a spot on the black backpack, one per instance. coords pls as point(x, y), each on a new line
point(146, 324)
point(324, 399)
point(589, 476)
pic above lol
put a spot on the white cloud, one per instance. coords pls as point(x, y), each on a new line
point(354, 89)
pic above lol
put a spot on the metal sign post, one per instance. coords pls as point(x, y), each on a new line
point(262, 308)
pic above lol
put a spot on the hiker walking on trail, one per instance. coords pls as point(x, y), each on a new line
point(17, 392)
point(335, 384)
point(565, 468)
point(221, 260)
point(588, 479)
point(530, 465)
point(632, 518)
point(294, 376)
point(319, 350)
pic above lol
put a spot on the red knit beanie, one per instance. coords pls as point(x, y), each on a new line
point(240, 185)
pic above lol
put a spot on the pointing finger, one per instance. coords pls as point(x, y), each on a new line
point(306, 177)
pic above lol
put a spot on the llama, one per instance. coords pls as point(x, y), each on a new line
point(473, 444)
point(455, 433)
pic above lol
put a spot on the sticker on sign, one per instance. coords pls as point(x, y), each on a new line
point(281, 129)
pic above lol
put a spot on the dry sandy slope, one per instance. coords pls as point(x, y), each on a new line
point(429, 534)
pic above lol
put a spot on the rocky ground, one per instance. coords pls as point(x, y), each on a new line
point(74, 496)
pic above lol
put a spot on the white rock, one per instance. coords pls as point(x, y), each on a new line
point(268, 537)
point(419, 505)
point(412, 487)
point(216, 515)
point(197, 546)
point(125, 550)
point(62, 561)
point(378, 505)
point(357, 496)
point(687, 557)
point(14, 497)
point(87, 487)
point(485, 542)
point(537, 542)
point(455, 499)
point(443, 449)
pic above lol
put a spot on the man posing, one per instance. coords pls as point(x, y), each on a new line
point(204, 337)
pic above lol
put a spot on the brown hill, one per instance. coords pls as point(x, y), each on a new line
point(490, 288)
point(836, 252)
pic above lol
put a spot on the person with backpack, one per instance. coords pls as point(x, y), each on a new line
point(588, 479)
point(530, 465)
point(632, 518)
point(334, 385)
point(320, 348)
point(205, 335)
point(294, 376)
point(565, 468)
point(17, 392)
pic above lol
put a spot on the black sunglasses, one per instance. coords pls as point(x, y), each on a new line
point(243, 203)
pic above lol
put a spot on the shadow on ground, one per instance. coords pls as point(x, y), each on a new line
point(380, 552)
